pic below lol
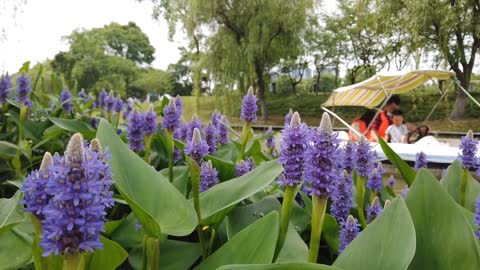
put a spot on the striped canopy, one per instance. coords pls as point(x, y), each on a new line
point(371, 92)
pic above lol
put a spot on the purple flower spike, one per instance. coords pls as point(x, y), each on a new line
point(135, 131)
point(420, 161)
point(67, 105)
point(128, 108)
point(374, 210)
point(391, 181)
point(5, 85)
point(118, 105)
point(244, 167)
point(349, 231)
point(195, 123)
point(208, 176)
point(404, 192)
point(364, 157)
point(23, 90)
point(477, 218)
point(179, 106)
point(171, 118)
point(36, 199)
point(79, 190)
point(150, 121)
point(215, 118)
point(197, 147)
point(222, 130)
point(249, 107)
point(292, 152)
point(211, 138)
point(468, 145)
point(320, 156)
point(94, 122)
point(288, 117)
point(83, 95)
point(110, 102)
point(269, 142)
point(102, 99)
point(374, 182)
point(342, 197)
point(348, 156)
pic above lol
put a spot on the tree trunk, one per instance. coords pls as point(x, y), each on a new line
point(260, 83)
point(458, 110)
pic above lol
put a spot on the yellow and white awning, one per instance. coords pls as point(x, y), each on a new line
point(371, 92)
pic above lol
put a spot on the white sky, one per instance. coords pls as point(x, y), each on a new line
point(35, 34)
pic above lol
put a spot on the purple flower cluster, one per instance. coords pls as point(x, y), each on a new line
point(404, 191)
point(94, 122)
point(342, 197)
point(102, 99)
point(288, 117)
point(208, 176)
point(23, 90)
point(76, 189)
point(468, 145)
point(244, 167)
point(118, 105)
point(477, 218)
point(5, 85)
point(374, 210)
point(249, 107)
point(128, 108)
point(179, 106)
point(135, 131)
point(64, 100)
point(420, 161)
point(391, 181)
point(192, 125)
point(150, 121)
point(348, 156)
point(197, 147)
point(269, 142)
point(110, 102)
point(220, 122)
point(375, 182)
point(350, 230)
point(364, 158)
point(292, 152)
point(171, 116)
point(211, 138)
point(321, 153)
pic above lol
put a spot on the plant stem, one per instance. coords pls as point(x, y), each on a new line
point(148, 142)
point(212, 238)
point(117, 120)
point(245, 133)
point(464, 187)
point(170, 148)
point(153, 253)
point(318, 212)
point(360, 200)
point(17, 163)
point(73, 262)
point(38, 261)
point(288, 197)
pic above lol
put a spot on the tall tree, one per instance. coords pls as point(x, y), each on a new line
point(451, 27)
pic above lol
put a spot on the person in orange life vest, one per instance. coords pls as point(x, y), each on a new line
point(384, 119)
point(360, 124)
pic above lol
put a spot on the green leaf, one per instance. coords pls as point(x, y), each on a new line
point(331, 232)
point(294, 249)
point(11, 213)
point(226, 169)
point(126, 234)
point(25, 67)
point(227, 151)
point(180, 178)
point(178, 255)
point(254, 244)
point(8, 150)
point(111, 226)
point(73, 126)
point(279, 266)
point(32, 130)
point(452, 182)
point(227, 194)
point(157, 204)
point(16, 250)
point(445, 239)
point(111, 256)
point(406, 171)
point(387, 243)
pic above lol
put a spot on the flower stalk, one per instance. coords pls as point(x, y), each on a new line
point(73, 261)
point(287, 204)
point(361, 200)
point(319, 205)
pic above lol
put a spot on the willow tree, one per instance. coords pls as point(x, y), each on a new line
point(451, 27)
point(254, 35)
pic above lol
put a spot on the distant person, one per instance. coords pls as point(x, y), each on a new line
point(397, 132)
point(384, 119)
point(360, 124)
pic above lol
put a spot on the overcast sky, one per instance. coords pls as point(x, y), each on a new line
point(35, 33)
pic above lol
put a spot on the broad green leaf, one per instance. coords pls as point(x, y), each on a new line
point(227, 151)
point(32, 130)
point(11, 213)
point(387, 243)
point(331, 232)
point(15, 250)
point(180, 178)
point(406, 171)
point(178, 255)
point(157, 204)
point(279, 266)
point(445, 239)
point(452, 182)
point(126, 234)
point(73, 126)
point(294, 249)
point(227, 194)
point(254, 244)
point(111, 226)
point(111, 256)
point(8, 150)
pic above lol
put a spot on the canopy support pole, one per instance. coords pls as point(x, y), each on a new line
point(466, 92)
point(444, 94)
